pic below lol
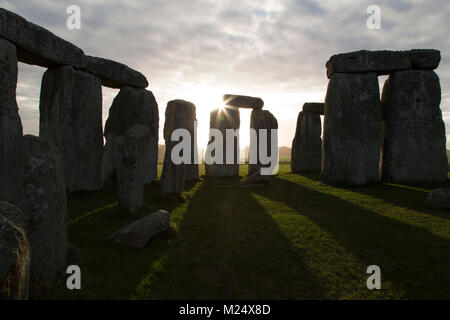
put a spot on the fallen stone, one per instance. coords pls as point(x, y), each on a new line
point(261, 119)
point(314, 107)
point(70, 112)
point(114, 74)
point(256, 179)
point(14, 214)
point(425, 58)
point(14, 262)
point(438, 198)
point(179, 114)
point(222, 119)
point(130, 157)
point(239, 101)
point(132, 106)
point(36, 45)
point(414, 148)
point(44, 204)
point(306, 153)
point(11, 153)
point(352, 130)
point(139, 233)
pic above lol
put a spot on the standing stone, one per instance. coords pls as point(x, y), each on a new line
point(11, 163)
point(222, 119)
point(44, 204)
point(71, 118)
point(14, 261)
point(131, 106)
point(352, 130)
point(261, 119)
point(306, 154)
point(129, 162)
point(179, 114)
point(414, 146)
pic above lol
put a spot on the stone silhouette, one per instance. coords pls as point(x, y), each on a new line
point(414, 147)
point(306, 154)
point(179, 114)
point(11, 163)
point(223, 119)
point(114, 74)
point(383, 62)
point(37, 45)
point(129, 160)
point(352, 130)
point(131, 106)
point(44, 204)
point(71, 117)
point(240, 101)
point(261, 120)
point(413, 136)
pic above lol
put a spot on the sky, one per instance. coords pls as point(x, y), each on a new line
point(198, 50)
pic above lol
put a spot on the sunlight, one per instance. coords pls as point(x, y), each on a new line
point(207, 98)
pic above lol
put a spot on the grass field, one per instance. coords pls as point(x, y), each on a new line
point(295, 239)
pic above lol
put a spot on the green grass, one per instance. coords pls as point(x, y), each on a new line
point(295, 239)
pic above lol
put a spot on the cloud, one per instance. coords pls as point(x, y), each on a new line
point(273, 49)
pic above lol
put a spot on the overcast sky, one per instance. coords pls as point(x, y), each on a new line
point(199, 50)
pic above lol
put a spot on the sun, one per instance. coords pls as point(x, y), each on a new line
point(207, 98)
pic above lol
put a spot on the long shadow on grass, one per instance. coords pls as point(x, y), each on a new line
point(412, 258)
point(228, 247)
point(411, 196)
point(408, 196)
point(110, 271)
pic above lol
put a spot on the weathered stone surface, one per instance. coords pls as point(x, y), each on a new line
point(129, 161)
point(261, 119)
point(14, 214)
point(44, 204)
point(179, 114)
point(306, 154)
point(414, 147)
point(438, 198)
point(425, 58)
point(11, 162)
point(37, 45)
point(115, 74)
point(314, 107)
point(380, 62)
point(71, 118)
point(352, 130)
point(14, 261)
point(131, 106)
point(383, 61)
point(240, 101)
point(139, 233)
point(222, 119)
